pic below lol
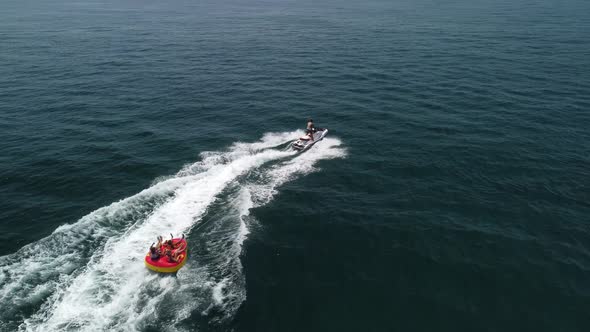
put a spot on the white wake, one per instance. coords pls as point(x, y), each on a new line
point(90, 275)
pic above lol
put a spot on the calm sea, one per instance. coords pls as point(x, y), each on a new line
point(452, 192)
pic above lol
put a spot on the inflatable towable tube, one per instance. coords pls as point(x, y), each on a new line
point(163, 264)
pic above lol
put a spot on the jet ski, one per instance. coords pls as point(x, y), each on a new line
point(305, 142)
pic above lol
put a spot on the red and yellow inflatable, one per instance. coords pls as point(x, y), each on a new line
point(164, 264)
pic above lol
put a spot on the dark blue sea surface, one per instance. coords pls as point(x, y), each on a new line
point(452, 192)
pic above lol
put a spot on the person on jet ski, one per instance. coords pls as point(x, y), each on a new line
point(310, 128)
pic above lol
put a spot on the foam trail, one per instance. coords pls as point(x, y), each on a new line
point(90, 276)
point(237, 150)
point(245, 205)
point(264, 189)
point(229, 292)
point(37, 268)
point(111, 292)
point(30, 275)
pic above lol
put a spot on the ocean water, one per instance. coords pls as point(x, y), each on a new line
point(451, 193)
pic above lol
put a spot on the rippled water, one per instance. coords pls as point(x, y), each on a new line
point(450, 194)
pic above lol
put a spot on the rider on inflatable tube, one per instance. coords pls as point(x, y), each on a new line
point(167, 256)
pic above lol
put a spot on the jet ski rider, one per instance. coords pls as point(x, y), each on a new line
point(310, 128)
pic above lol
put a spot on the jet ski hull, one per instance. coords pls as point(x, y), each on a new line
point(302, 145)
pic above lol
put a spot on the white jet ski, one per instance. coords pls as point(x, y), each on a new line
point(304, 142)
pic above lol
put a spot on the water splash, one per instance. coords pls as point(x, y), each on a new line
point(90, 276)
